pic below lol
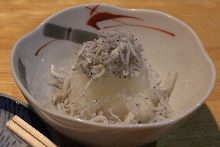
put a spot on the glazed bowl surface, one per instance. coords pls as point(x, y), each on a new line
point(169, 46)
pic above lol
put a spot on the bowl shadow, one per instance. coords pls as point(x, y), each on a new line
point(199, 130)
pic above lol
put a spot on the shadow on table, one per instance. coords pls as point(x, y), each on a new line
point(200, 130)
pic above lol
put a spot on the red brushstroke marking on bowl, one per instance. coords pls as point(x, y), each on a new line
point(102, 16)
point(44, 45)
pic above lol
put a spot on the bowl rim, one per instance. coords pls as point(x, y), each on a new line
point(174, 120)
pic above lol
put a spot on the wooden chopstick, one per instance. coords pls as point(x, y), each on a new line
point(27, 133)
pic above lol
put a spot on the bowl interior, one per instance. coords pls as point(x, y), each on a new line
point(169, 46)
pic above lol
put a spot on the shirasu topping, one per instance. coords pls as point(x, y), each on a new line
point(140, 97)
point(113, 53)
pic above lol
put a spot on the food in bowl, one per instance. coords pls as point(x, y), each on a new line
point(110, 82)
point(182, 52)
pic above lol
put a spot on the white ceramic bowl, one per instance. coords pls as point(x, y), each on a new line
point(169, 44)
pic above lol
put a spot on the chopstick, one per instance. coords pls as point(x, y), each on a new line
point(27, 133)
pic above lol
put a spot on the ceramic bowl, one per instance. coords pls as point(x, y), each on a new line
point(169, 45)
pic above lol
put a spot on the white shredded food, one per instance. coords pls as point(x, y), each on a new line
point(110, 83)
